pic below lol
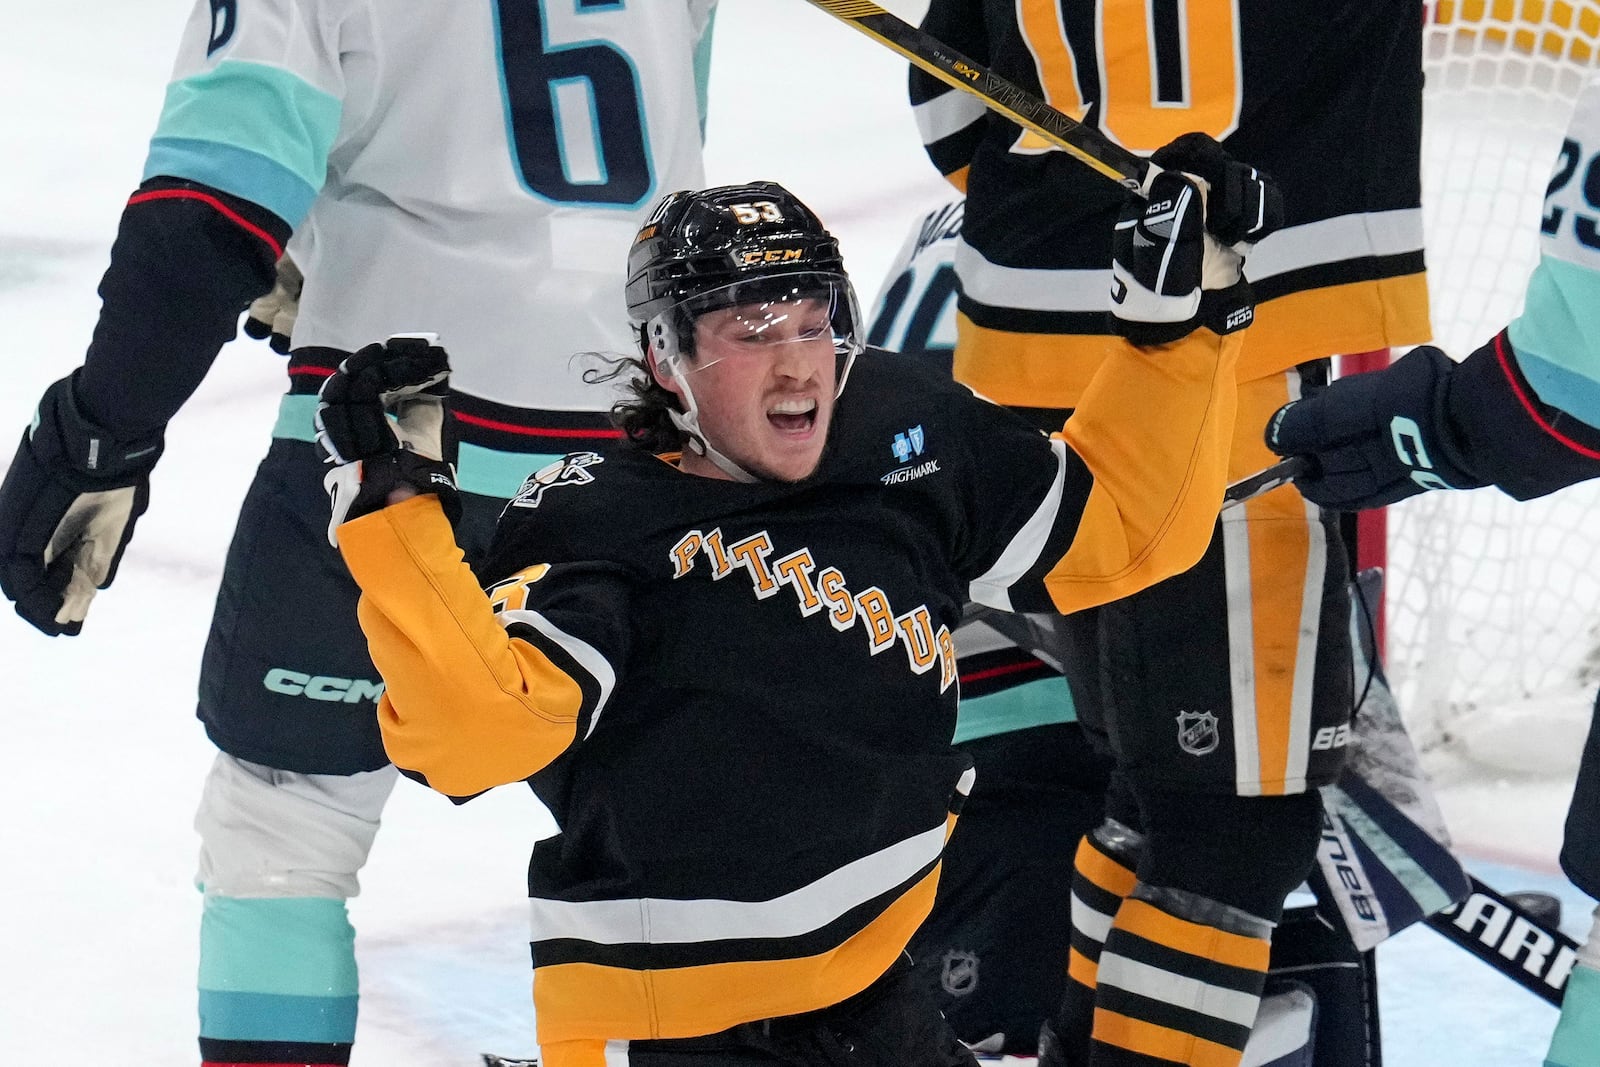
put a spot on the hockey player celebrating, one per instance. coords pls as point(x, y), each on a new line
point(723, 655)
point(479, 167)
point(1522, 413)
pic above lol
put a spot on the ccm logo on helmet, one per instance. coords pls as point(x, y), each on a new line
point(773, 255)
point(321, 687)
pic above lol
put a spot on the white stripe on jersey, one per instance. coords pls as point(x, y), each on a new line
point(993, 587)
point(1381, 233)
point(684, 922)
point(946, 114)
point(586, 655)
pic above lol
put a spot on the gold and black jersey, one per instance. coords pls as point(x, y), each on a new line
point(737, 699)
point(1324, 96)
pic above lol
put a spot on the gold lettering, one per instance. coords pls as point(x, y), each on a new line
point(947, 658)
point(720, 564)
point(683, 553)
point(916, 629)
point(877, 617)
point(795, 569)
point(830, 583)
point(752, 553)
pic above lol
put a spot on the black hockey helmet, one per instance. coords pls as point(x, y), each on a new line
point(754, 248)
point(698, 242)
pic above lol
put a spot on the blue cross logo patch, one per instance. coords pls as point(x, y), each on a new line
point(907, 444)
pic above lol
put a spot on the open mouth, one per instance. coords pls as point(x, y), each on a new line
point(796, 416)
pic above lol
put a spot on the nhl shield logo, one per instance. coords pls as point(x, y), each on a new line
point(1197, 732)
point(960, 975)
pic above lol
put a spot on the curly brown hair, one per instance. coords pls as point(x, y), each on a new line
point(645, 416)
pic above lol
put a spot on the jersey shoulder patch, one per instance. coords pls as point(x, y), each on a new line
point(570, 470)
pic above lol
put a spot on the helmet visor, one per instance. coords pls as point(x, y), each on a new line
point(751, 316)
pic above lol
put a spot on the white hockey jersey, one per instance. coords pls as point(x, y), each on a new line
point(476, 169)
point(1557, 336)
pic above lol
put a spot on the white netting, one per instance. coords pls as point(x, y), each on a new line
point(1493, 604)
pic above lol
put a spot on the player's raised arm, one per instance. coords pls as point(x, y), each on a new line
point(1143, 459)
point(482, 689)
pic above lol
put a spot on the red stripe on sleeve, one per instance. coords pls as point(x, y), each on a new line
point(1527, 402)
point(531, 431)
point(228, 213)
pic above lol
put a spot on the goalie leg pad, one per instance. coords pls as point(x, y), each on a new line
point(1285, 1028)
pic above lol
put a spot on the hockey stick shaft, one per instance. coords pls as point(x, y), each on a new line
point(1086, 143)
point(1264, 481)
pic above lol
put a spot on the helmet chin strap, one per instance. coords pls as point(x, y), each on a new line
point(688, 420)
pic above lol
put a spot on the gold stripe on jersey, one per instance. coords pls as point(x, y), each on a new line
point(1161, 416)
point(1143, 919)
point(1103, 869)
point(1049, 370)
point(465, 705)
point(1276, 560)
point(1161, 1042)
point(598, 1053)
point(578, 1001)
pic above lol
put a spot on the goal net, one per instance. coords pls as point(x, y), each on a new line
point(1493, 607)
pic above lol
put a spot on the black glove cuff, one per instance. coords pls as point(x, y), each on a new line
point(1228, 310)
point(82, 453)
point(1149, 334)
point(1221, 311)
point(381, 475)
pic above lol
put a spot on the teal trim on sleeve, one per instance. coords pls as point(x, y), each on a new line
point(1578, 1030)
point(277, 946)
point(488, 472)
point(1557, 337)
point(702, 72)
point(1573, 393)
point(1036, 703)
point(273, 1017)
point(484, 471)
point(295, 413)
point(235, 171)
point(256, 109)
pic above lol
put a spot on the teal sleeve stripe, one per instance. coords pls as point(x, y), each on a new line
point(1577, 395)
point(293, 946)
point(488, 472)
point(1036, 703)
point(702, 72)
point(1557, 337)
point(1578, 1030)
point(234, 171)
point(259, 109)
point(275, 1017)
point(295, 413)
point(484, 471)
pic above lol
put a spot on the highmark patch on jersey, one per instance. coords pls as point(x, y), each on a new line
point(829, 589)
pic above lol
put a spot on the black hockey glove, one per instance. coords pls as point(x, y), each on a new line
point(67, 510)
point(271, 316)
point(1376, 438)
point(1177, 258)
point(381, 421)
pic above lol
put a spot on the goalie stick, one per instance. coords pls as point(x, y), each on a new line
point(1085, 143)
point(1507, 937)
